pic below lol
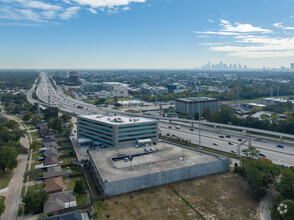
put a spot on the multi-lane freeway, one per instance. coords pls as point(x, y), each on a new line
point(210, 137)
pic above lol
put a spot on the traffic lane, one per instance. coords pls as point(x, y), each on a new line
point(233, 138)
point(223, 145)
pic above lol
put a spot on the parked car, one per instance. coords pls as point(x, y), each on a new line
point(240, 139)
point(262, 155)
point(39, 159)
point(170, 126)
point(39, 178)
point(174, 135)
point(244, 150)
point(232, 151)
point(280, 146)
point(178, 127)
point(230, 143)
point(221, 136)
point(215, 144)
point(228, 136)
point(191, 129)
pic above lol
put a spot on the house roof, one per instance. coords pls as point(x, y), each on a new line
point(53, 184)
point(49, 138)
point(50, 161)
point(74, 215)
point(54, 172)
point(59, 201)
point(50, 144)
point(52, 152)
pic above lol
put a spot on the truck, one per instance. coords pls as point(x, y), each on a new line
point(80, 106)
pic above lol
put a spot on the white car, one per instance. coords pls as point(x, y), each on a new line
point(178, 127)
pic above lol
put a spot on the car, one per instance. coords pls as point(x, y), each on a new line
point(191, 129)
point(232, 151)
point(170, 126)
point(262, 155)
point(178, 127)
point(39, 159)
point(240, 139)
point(280, 146)
point(228, 136)
point(159, 129)
point(39, 178)
point(215, 144)
point(244, 150)
point(174, 135)
point(230, 143)
point(221, 136)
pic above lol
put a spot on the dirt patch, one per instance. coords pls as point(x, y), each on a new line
point(221, 196)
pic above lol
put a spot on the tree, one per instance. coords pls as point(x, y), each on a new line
point(34, 201)
point(79, 187)
point(286, 186)
point(36, 119)
point(2, 205)
point(206, 112)
point(252, 152)
point(8, 157)
point(11, 124)
point(100, 101)
point(196, 116)
point(51, 112)
point(27, 116)
point(35, 146)
point(56, 123)
point(254, 177)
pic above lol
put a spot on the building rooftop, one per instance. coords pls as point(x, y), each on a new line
point(117, 120)
point(193, 99)
point(113, 165)
point(53, 184)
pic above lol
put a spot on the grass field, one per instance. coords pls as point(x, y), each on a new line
point(221, 196)
point(70, 182)
point(5, 179)
point(108, 101)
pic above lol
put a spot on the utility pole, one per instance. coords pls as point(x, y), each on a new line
point(38, 105)
point(199, 115)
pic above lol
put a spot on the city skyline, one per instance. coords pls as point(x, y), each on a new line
point(145, 34)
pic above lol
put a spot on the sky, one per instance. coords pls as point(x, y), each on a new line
point(145, 34)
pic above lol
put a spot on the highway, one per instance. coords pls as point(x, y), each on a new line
point(210, 137)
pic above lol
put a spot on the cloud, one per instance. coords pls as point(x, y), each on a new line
point(52, 11)
point(211, 21)
point(69, 13)
point(250, 41)
point(280, 25)
point(107, 3)
point(92, 10)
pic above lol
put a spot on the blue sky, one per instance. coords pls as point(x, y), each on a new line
point(149, 34)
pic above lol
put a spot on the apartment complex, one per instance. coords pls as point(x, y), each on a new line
point(116, 131)
point(191, 105)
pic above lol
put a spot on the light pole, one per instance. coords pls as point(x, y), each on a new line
point(199, 114)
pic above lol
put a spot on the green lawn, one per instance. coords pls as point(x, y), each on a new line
point(65, 152)
point(73, 169)
point(36, 155)
point(65, 160)
point(35, 136)
point(62, 139)
point(107, 101)
point(81, 199)
point(64, 144)
point(5, 179)
point(70, 182)
point(36, 187)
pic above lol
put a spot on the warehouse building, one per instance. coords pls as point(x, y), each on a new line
point(191, 105)
point(114, 131)
point(134, 168)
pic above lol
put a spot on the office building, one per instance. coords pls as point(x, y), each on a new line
point(138, 168)
point(191, 105)
point(74, 76)
point(153, 90)
point(116, 131)
point(176, 88)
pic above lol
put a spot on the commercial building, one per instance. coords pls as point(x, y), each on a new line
point(130, 103)
point(191, 105)
point(138, 168)
point(114, 131)
point(74, 76)
point(153, 90)
point(273, 100)
point(176, 88)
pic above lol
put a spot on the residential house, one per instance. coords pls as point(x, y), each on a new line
point(54, 185)
point(59, 201)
